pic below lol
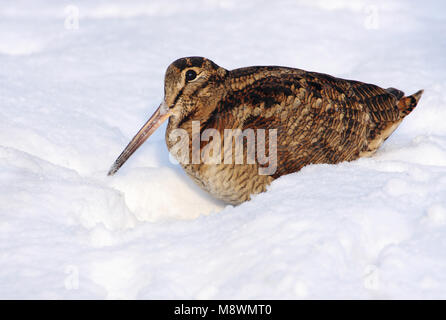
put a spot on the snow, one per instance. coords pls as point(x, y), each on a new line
point(73, 92)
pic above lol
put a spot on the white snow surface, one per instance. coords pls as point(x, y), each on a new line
point(71, 99)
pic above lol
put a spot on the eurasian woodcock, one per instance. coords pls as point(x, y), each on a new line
point(318, 119)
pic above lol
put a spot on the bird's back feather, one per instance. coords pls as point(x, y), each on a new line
point(319, 118)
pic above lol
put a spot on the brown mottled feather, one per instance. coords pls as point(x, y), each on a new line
point(327, 119)
point(319, 118)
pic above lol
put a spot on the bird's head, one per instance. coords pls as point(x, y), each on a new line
point(187, 82)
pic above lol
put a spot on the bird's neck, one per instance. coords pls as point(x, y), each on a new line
point(198, 116)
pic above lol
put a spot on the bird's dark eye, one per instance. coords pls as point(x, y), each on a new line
point(190, 75)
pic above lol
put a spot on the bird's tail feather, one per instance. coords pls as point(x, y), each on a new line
point(407, 104)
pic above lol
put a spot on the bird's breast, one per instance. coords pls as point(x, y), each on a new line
point(232, 183)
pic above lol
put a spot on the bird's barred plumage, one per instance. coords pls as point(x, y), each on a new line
point(319, 118)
